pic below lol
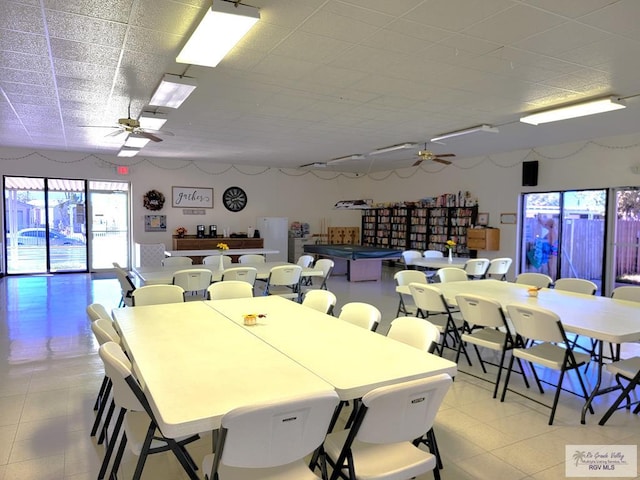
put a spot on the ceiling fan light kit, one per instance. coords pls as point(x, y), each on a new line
point(466, 131)
point(224, 24)
point(590, 107)
point(173, 91)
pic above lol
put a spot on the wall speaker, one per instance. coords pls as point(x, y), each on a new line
point(530, 173)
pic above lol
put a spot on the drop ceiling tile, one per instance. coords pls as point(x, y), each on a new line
point(113, 10)
point(561, 39)
point(263, 37)
point(154, 42)
point(397, 42)
point(22, 42)
point(84, 52)
point(456, 15)
point(21, 18)
point(514, 24)
point(571, 8)
point(86, 71)
point(602, 53)
point(43, 78)
point(79, 28)
point(473, 45)
point(166, 16)
point(17, 99)
point(365, 59)
point(395, 8)
point(23, 61)
point(620, 18)
point(344, 22)
point(275, 66)
point(311, 48)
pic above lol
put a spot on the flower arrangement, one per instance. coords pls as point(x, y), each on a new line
point(223, 246)
point(181, 231)
point(450, 244)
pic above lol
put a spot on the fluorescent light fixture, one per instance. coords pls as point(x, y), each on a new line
point(152, 120)
point(573, 111)
point(466, 131)
point(223, 26)
point(394, 148)
point(346, 159)
point(128, 152)
point(172, 91)
point(136, 140)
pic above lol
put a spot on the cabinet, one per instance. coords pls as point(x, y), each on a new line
point(483, 238)
point(296, 247)
point(192, 242)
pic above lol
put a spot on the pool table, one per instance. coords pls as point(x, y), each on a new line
point(360, 263)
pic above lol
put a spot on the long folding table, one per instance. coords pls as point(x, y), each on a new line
point(197, 360)
point(603, 319)
point(164, 275)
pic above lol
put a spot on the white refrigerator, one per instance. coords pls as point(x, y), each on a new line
point(275, 232)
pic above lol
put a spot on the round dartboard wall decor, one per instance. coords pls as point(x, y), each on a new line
point(234, 199)
point(153, 200)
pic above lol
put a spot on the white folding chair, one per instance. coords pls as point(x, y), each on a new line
point(408, 256)
point(270, 441)
point(432, 305)
point(432, 254)
point(379, 444)
point(242, 274)
point(141, 432)
point(126, 287)
point(629, 371)
point(96, 311)
point(284, 281)
point(550, 348)
point(229, 289)
point(361, 314)
point(576, 285)
point(538, 280)
point(321, 300)
point(451, 274)
point(177, 262)
point(629, 293)
point(499, 267)
point(476, 268)
point(251, 258)
point(405, 277)
point(305, 261)
point(227, 261)
point(417, 332)
point(157, 295)
point(485, 326)
point(193, 280)
point(104, 332)
point(326, 265)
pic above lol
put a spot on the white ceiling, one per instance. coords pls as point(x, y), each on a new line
point(319, 79)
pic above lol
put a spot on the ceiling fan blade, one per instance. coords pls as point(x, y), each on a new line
point(440, 160)
point(113, 134)
point(446, 155)
point(150, 136)
point(157, 132)
point(417, 162)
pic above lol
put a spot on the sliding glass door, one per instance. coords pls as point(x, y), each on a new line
point(626, 238)
point(564, 234)
point(45, 225)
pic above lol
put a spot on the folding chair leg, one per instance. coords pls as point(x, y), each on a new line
point(105, 425)
point(103, 386)
point(109, 451)
point(624, 394)
point(103, 403)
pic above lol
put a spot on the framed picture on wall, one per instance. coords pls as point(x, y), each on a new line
point(155, 223)
point(483, 219)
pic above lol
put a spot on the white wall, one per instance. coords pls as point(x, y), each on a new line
point(495, 181)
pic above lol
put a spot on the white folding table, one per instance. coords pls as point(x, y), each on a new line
point(198, 360)
point(601, 318)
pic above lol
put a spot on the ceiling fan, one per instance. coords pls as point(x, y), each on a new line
point(132, 126)
point(432, 157)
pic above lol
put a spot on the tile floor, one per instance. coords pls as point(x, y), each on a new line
point(50, 373)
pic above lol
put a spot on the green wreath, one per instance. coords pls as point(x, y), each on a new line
point(153, 200)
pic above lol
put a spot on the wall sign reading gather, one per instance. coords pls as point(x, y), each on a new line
point(186, 197)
